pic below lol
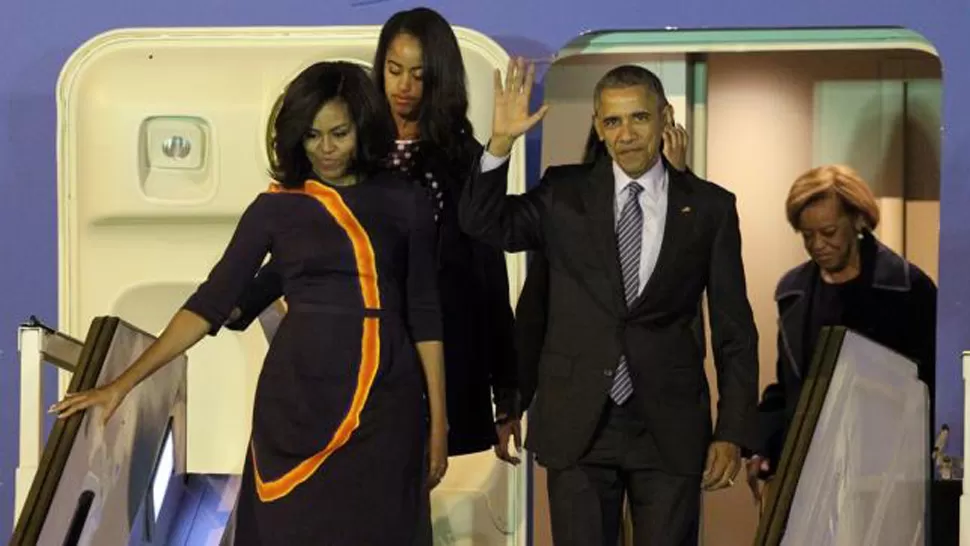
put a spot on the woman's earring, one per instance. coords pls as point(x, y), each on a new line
point(859, 235)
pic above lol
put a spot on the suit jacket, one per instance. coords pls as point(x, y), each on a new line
point(473, 283)
point(898, 311)
point(531, 313)
point(568, 218)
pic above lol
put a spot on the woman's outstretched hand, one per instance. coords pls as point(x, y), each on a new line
point(107, 397)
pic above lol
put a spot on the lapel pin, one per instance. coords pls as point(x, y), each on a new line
point(685, 210)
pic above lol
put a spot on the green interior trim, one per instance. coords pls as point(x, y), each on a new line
point(699, 82)
point(589, 43)
point(697, 113)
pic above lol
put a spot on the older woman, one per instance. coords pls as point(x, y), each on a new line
point(851, 280)
point(339, 427)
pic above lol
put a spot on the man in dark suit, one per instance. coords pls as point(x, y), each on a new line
point(622, 405)
point(532, 305)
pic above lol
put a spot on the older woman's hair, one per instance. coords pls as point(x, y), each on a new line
point(311, 90)
point(839, 181)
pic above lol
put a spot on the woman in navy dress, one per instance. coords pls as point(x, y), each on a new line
point(339, 430)
point(419, 71)
point(420, 74)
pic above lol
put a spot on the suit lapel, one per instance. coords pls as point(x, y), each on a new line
point(678, 225)
point(599, 200)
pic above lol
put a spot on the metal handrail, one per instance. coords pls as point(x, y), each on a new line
point(37, 344)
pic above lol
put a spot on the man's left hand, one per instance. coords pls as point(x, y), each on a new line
point(723, 464)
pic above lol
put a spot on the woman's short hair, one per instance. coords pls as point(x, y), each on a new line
point(305, 96)
point(838, 181)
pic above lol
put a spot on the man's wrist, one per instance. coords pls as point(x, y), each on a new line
point(500, 146)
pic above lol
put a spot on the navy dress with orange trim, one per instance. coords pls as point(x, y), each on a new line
point(337, 428)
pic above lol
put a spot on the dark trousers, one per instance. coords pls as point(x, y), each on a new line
point(586, 500)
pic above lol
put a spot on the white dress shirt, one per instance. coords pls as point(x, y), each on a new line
point(653, 203)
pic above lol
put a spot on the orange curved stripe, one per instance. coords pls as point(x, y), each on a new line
point(278, 488)
point(363, 251)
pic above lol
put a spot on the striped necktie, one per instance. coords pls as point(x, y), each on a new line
point(629, 237)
